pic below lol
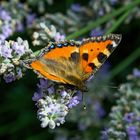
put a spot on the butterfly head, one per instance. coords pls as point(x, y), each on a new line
point(80, 85)
point(83, 88)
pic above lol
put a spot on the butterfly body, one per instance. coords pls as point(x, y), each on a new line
point(73, 63)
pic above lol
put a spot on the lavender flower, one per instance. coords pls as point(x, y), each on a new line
point(136, 73)
point(6, 24)
point(37, 95)
point(46, 34)
point(12, 16)
point(19, 49)
point(96, 32)
point(43, 84)
point(2, 37)
point(11, 53)
point(129, 117)
point(132, 133)
point(7, 30)
point(5, 50)
point(19, 27)
point(4, 15)
point(104, 135)
point(124, 115)
point(76, 7)
point(58, 37)
point(51, 112)
point(53, 106)
point(73, 102)
point(30, 19)
point(101, 12)
point(9, 77)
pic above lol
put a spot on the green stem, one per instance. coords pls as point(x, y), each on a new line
point(118, 22)
point(124, 64)
point(103, 19)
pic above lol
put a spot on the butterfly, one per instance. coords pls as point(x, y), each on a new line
point(73, 63)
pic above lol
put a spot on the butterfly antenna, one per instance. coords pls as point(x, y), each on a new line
point(109, 86)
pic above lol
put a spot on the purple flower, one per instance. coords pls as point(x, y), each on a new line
point(30, 19)
point(51, 112)
point(73, 102)
point(58, 37)
point(6, 51)
point(19, 49)
point(2, 37)
point(132, 133)
point(43, 84)
point(20, 27)
point(64, 93)
point(101, 12)
point(104, 135)
point(129, 117)
point(37, 95)
point(4, 15)
point(50, 90)
point(76, 7)
point(96, 32)
point(9, 77)
point(136, 73)
point(6, 30)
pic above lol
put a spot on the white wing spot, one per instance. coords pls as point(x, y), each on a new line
point(114, 44)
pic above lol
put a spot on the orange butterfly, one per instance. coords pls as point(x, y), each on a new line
point(73, 63)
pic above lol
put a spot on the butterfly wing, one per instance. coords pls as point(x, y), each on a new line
point(73, 63)
point(60, 63)
point(94, 51)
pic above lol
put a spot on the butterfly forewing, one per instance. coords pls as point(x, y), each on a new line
point(94, 52)
point(60, 63)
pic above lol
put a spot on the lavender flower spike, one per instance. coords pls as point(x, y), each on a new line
point(51, 112)
point(11, 53)
point(132, 133)
point(53, 106)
